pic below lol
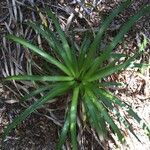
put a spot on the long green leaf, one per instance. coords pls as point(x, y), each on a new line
point(73, 118)
point(36, 92)
point(64, 132)
point(95, 44)
point(123, 120)
point(52, 41)
point(106, 116)
point(140, 66)
point(83, 50)
point(56, 91)
point(108, 96)
point(125, 28)
point(75, 65)
point(49, 36)
point(40, 52)
point(39, 78)
point(101, 73)
point(117, 55)
point(61, 33)
point(94, 116)
point(109, 105)
point(61, 50)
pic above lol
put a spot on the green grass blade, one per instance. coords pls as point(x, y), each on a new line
point(100, 118)
point(108, 105)
point(56, 91)
point(101, 73)
point(46, 35)
point(64, 132)
point(143, 44)
point(39, 78)
point(92, 70)
point(36, 92)
point(52, 41)
point(95, 44)
point(117, 55)
point(83, 50)
point(40, 52)
point(106, 116)
point(94, 116)
point(124, 121)
point(61, 33)
point(140, 66)
point(125, 28)
point(73, 118)
point(85, 45)
point(108, 96)
point(75, 65)
point(63, 38)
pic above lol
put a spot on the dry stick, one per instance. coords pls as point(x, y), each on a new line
point(82, 5)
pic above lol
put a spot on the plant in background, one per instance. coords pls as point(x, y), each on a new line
point(80, 72)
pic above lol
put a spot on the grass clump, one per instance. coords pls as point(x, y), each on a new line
point(80, 73)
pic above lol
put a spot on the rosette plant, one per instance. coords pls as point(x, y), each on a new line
point(81, 72)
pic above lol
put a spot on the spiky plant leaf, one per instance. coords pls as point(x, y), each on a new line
point(81, 71)
point(95, 44)
point(125, 28)
point(94, 117)
point(64, 41)
point(108, 70)
point(39, 78)
point(40, 52)
point(56, 91)
point(106, 116)
point(37, 91)
point(53, 42)
point(73, 117)
point(64, 132)
point(109, 105)
point(110, 97)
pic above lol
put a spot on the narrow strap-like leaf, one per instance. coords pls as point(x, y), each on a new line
point(49, 37)
point(108, 99)
point(40, 52)
point(125, 28)
point(101, 73)
point(95, 44)
point(36, 92)
point(126, 107)
point(69, 63)
point(106, 116)
point(53, 42)
point(75, 65)
point(94, 116)
point(83, 50)
point(64, 132)
point(39, 78)
point(61, 33)
point(73, 118)
point(56, 91)
point(109, 105)
point(140, 66)
point(117, 55)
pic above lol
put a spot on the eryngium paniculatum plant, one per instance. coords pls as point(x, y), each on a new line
point(80, 73)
